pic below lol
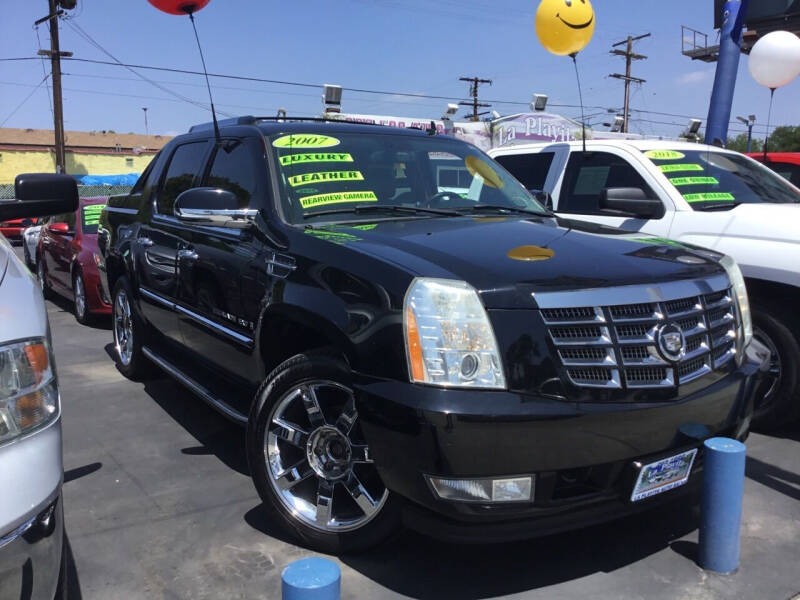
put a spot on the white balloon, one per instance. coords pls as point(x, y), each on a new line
point(775, 59)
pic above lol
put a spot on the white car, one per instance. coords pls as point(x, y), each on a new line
point(30, 242)
point(32, 557)
point(697, 194)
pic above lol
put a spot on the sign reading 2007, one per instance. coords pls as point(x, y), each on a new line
point(305, 140)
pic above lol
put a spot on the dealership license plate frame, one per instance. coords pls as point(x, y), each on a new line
point(677, 469)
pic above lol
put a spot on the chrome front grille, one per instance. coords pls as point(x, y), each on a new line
point(615, 346)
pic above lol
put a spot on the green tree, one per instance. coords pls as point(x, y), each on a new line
point(739, 144)
point(785, 138)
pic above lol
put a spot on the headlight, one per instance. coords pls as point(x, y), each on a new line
point(28, 391)
point(739, 289)
point(449, 340)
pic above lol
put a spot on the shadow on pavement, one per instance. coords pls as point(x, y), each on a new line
point(216, 435)
point(778, 479)
point(428, 569)
point(101, 322)
point(78, 472)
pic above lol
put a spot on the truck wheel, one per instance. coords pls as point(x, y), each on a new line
point(82, 314)
point(777, 401)
point(128, 333)
point(310, 462)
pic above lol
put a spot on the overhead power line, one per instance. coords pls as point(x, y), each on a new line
point(28, 97)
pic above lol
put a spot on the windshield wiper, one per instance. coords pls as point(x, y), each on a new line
point(718, 206)
point(360, 210)
point(498, 207)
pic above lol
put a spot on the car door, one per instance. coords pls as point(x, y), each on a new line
point(585, 177)
point(159, 240)
point(212, 262)
point(59, 252)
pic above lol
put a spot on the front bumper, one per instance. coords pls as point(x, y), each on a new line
point(582, 455)
point(31, 515)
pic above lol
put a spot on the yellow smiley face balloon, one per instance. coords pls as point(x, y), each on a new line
point(564, 26)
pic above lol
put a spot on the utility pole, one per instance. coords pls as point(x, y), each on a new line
point(473, 91)
point(55, 55)
point(146, 128)
point(630, 56)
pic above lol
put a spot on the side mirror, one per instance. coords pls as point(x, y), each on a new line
point(59, 228)
point(212, 206)
point(39, 195)
point(631, 201)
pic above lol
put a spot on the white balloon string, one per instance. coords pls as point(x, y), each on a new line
point(580, 97)
point(769, 118)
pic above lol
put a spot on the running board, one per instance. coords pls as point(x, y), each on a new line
point(193, 386)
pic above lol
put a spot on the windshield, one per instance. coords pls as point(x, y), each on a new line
point(410, 176)
point(90, 217)
point(708, 178)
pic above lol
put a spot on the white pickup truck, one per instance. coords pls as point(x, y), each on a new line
point(697, 194)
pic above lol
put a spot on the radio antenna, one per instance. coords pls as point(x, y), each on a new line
point(190, 11)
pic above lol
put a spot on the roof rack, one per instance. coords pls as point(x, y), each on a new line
point(251, 120)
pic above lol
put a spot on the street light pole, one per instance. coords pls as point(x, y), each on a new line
point(146, 129)
point(749, 121)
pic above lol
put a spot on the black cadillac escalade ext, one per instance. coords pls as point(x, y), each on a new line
point(408, 335)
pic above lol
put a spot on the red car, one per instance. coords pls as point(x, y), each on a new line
point(13, 229)
point(69, 258)
point(785, 164)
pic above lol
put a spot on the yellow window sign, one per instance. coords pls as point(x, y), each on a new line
point(325, 176)
point(710, 197)
point(296, 159)
point(680, 167)
point(664, 154)
point(337, 198)
point(677, 181)
point(91, 214)
point(305, 140)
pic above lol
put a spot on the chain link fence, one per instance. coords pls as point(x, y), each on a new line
point(84, 191)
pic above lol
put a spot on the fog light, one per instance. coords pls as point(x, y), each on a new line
point(486, 491)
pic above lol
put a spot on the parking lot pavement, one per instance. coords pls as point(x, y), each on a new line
point(159, 505)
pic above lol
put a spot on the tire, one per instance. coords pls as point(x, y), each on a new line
point(305, 449)
point(41, 274)
point(82, 314)
point(778, 396)
point(128, 332)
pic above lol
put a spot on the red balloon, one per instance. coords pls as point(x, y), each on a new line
point(179, 7)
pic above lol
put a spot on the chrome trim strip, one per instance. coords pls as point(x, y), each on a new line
point(195, 387)
point(614, 383)
point(174, 221)
point(242, 339)
point(632, 294)
point(18, 532)
point(124, 211)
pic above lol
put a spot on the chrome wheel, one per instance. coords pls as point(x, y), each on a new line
point(767, 392)
point(123, 328)
point(318, 464)
point(80, 297)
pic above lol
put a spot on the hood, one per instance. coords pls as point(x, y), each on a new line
point(507, 259)
point(773, 221)
point(22, 309)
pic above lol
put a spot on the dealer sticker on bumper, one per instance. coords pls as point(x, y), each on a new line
point(663, 475)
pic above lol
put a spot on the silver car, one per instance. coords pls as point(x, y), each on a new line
point(32, 558)
point(30, 243)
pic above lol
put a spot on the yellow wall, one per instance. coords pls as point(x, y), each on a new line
point(14, 162)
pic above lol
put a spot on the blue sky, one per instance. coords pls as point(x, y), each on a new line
point(415, 46)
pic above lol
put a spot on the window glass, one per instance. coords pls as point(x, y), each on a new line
point(68, 218)
point(234, 170)
point(713, 180)
point(346, 172)
point(588, 174)
point(529, 169)
point(140, 183)
point(787, 171)
point(185, 163)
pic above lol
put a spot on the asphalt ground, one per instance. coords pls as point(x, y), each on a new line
point(159, 504)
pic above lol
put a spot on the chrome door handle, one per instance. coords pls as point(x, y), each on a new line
point(187, 254)
point(144, 241)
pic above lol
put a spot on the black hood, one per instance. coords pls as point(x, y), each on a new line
point(571, 254)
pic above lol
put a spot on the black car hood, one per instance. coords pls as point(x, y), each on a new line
point(571, 254)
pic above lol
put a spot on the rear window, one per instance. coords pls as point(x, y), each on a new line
point(529, 169)
point(90, 217)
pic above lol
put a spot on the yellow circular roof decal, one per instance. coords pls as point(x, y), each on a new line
point(305, 140)
point(530, 253)
point(476, 166)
